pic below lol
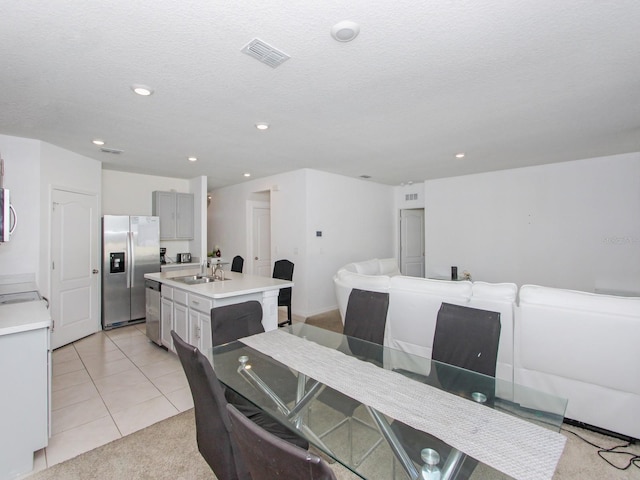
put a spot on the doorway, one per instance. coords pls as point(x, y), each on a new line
point(259, 238)
point(412, 242)
point(75, 260)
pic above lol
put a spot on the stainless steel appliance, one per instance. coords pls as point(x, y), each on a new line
point(6, 209)
point(183, 258)
point(153, 310)
point(130, 248)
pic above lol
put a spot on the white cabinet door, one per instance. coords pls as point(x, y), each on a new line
point(205, 332)
point(166, 322)
point(181, 321)
point(176, 214)
point(164, 206)
point(184, 216)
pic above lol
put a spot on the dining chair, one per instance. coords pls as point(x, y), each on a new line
point(212, 419)
point(283, 270)
point(365, 319)
point(468, 338)
point(237, 263)
point(269, 457)
point(232, 322)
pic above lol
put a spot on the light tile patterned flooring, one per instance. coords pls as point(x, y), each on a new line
point(109, 385)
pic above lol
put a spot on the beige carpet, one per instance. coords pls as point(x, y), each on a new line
point(167, 450)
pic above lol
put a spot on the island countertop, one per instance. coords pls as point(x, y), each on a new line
point(235, 284)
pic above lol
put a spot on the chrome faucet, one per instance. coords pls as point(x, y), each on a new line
point(218, 273)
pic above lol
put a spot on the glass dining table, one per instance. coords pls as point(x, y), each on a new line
point(387, 414)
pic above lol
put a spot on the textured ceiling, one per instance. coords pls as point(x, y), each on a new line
point(511, 83)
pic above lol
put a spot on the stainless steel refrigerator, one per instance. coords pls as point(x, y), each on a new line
point(130, 248)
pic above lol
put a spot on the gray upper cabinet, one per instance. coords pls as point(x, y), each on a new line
point(176, 215)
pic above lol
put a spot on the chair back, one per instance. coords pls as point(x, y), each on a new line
point(467, 337)
point(283, 270)
point(366, 315)
point(231, 322)
point(366, 319)
point(212, 419)
point(237, 263)
point(269, 457)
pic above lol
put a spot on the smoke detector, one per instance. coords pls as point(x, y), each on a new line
point(345, 31)
point(265, 53)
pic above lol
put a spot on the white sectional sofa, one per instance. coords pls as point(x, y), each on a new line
point(580, 346)
point(584, 347)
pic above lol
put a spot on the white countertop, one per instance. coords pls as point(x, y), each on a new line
point(24, 316)
point(237, 283)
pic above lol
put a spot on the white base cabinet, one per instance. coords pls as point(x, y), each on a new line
point(24, 402)
point(200, 321)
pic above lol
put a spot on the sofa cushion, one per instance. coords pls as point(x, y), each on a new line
point(388, 266)
point(368, 267)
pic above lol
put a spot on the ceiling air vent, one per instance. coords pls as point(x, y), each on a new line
point(115, 151)
point(264, 52)
point(410, 196)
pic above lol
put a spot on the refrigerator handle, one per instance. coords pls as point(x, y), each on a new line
point(131, 259)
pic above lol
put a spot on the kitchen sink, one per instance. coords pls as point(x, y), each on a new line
point(197, 279)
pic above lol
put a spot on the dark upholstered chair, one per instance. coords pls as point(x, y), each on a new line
point(283, 270)
point(212, 419)
point(365, 319)
point(467, 338)
point(269, 457)
point(237, 263)
point(231, 322)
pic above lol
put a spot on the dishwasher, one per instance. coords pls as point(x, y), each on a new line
point(153, 302)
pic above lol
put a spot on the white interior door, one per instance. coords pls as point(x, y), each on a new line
point(412, 242)
point(261, 240)
point(75, 257)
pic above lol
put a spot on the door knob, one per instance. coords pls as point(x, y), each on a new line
point(95, 271)
point(255, 258)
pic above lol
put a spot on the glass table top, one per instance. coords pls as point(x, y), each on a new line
point(382, 413)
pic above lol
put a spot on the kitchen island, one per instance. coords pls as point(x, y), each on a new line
point(186, 308)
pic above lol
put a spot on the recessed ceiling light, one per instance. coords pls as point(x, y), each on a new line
point(247, 174)
point(262, 126)
point(142, 90)
point(97, 141)
point(345, 31)
point(192, 159)
point(459, 155)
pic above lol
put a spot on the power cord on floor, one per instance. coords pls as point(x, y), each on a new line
point(634, 460)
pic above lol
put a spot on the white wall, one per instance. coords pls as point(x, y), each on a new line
point(571, 225)
point(355, 216)
point(21, 255)
point(61, 168)
point(131, 194)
